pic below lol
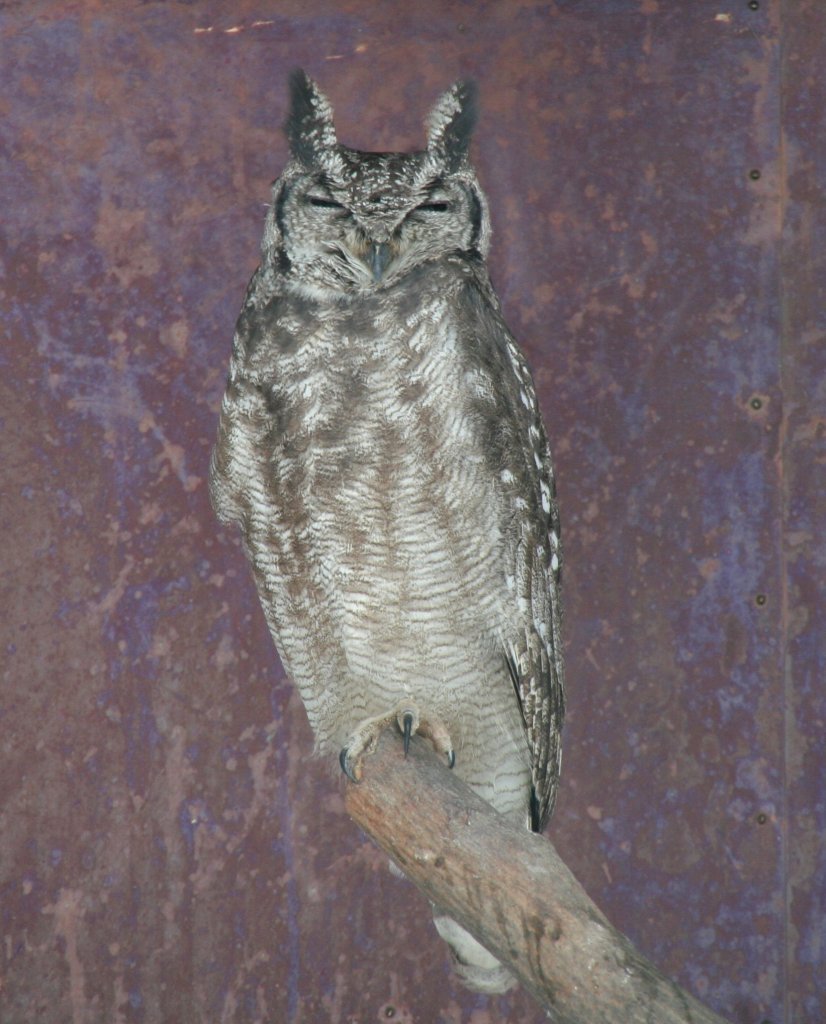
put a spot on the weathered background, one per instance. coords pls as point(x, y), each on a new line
point(169, 850)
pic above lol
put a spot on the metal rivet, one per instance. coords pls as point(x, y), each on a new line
point(754, 174)
point(762, 818)
point(756, 403)
point(754, 5)
point(760, 600)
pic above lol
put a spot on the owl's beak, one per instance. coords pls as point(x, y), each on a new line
point(380, 256)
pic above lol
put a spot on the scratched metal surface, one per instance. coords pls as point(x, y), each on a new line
point(169, 850)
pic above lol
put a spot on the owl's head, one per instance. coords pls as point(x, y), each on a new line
point(345, 222)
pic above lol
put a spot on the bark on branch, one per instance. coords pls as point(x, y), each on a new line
point(512, 891)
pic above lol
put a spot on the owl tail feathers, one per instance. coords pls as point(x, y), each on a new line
point(477, 969)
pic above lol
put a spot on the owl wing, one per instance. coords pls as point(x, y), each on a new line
point(255, 422)
point(239, 421)
point(518, 447)
point(534, 653)
point(534, 657)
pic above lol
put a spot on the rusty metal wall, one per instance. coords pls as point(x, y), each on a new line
point(169, 850)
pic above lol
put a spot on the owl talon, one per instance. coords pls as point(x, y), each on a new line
point(407, 730)
point(349, 771)
point(409, 723)
point(437, 733)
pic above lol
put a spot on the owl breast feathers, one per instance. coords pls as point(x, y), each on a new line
point(381, 448)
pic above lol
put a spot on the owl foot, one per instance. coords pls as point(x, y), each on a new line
point(409, 723)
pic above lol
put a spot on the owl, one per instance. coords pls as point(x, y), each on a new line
point(381, 448)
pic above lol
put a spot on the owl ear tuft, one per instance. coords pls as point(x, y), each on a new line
point(451, 123)
point(309, 127)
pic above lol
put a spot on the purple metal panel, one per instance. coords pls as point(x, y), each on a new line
point(804, 490)
point(169, 850)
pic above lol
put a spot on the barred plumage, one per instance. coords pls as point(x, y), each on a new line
point(381, 447)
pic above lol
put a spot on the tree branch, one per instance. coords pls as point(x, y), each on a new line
point(512, 891)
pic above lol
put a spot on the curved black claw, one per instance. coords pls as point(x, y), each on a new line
point(344, 761)
point(408, 729)
point(451, 758)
